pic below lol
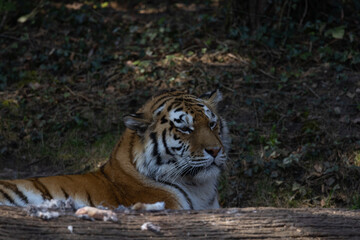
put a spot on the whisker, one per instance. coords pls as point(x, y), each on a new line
point(174, 172)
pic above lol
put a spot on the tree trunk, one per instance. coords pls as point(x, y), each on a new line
point(248, 223)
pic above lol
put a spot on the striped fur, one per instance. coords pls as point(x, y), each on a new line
point(172, 151)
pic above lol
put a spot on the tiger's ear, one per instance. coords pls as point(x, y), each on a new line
point(213, 98)
point(136, 122)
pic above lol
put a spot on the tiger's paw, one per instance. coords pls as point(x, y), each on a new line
point(96, 213)
point(158, 206)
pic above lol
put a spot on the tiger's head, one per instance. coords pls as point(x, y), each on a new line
point(181, 136)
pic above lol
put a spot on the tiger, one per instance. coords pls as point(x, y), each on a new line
point(173, 150)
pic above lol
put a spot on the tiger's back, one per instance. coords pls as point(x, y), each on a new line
point(172, 151)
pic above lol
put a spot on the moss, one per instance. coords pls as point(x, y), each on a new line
point(28, 77)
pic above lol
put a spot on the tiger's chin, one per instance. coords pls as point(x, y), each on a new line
point(205, 174)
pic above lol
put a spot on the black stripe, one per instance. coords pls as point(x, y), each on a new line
point(89, 199)
point(178, 120)
point(161, 98)
point(178, 109)
point(208, 94)
point(158, 160)
point(173, 104)
point(109, 180)
point(221, 125)
point(42, 188)
point(182, 152)
point(176, 137)
point(172, 125)
point(159, 112)
point(15, 189)
point(98, 177)
point(65, 193)
point(162, 103)
point(170, 106)
point(187, 148)
point(176, 148)
point(102, 170)
point(155, 148)
point(188, 200)
point(177, 104)
point(155, 152)
point(106, 183)
point(163, 120)
point(212, 93)
point(179, 99)
point(7, 197)
point(165, 144)
point(131, 146)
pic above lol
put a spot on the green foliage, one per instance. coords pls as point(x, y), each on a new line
point(6, 6)
point(299, 29)
point(355, 201)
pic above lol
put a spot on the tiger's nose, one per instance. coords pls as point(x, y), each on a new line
point(213, 151)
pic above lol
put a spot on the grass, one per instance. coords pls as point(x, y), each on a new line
point(78, 154)
point(71, 153)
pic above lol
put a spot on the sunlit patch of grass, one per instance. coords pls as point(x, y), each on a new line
point(357, 159)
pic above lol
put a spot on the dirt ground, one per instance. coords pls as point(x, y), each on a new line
point(71, 71)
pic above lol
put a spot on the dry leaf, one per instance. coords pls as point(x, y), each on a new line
point(110, 89)
point(356, 120)
point(318, 167)
point(337, 110)
point(34, 85)
point(350, 95)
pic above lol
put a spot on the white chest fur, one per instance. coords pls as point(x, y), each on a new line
point(196, 196)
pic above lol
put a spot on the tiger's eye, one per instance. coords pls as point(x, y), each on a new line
point(185, 129)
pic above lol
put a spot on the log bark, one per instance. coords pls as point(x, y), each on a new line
point(245, 223)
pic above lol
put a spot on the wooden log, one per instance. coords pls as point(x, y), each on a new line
point(245, 223)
